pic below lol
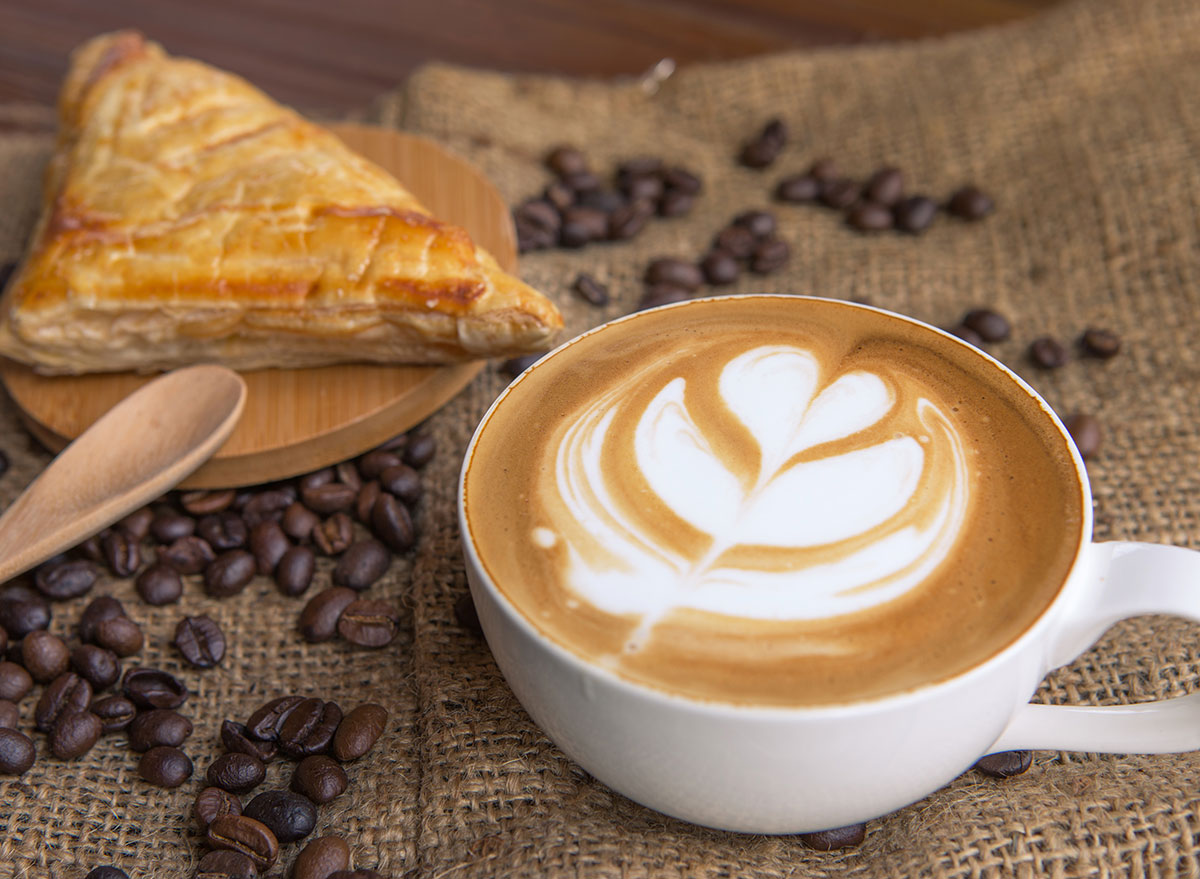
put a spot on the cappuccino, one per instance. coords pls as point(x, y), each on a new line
point(774, 501)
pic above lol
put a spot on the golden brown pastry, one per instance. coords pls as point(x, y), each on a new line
point(191, 218)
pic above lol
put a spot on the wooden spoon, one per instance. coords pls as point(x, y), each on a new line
point(139, 449)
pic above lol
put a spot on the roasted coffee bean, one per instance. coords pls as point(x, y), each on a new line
point(115, 712)
point(200, 640)
point(63, 580)
point(720, 268)
point(165, 766)
point(362, 564)
point(205, 503)
point(914, 214)
point(74, 734)
point(298, 524)
point(1100, 343)
point(770, 256)
point(137, 523)
point(332, 497)
point(869, 216)
point(188, 555)
point(168, 526)
point(211, 804)
point(541, 217)
point(559, 195)
point(840, 194)
point(265, 722)
point(419, 450)
point(369, 622)
point(236, 738)
point(268, 504)
point(10, 714)
point(229, 573)
point(678, 272)
point(347, 474)
point(798, 188)
point(107, 872)
point(1047, 352)
point(675, 204)
point(336, 533)
point(991, 326)
point(582, 225)
point(1005, 764)
point(647, 186)
point(402, 481)
point(22, 611)
point(662, 294)
point(369, 493)
point(582, 182)
point(590, 290)
point(316, 478)
point(392, 523)
point(358, 731)
point(121, 635)
point(15, 682)
point(530, 236)
point(236, 772)
point(564, 160)
point(101, 608)
point(885, 186)
point(321, 858)
point(825, 169)
point(320, 778)
point(159, 584)
point(289, 816)
point(837, 837)
point(16, 752)
point(628, 221)
point(319, 619)
point(375, 462)
point(1085, 431)
point(241, 834)
point(467, 616)
point(122, 553)
point(224, 864)
point(67, 692)
point(295, 570)
point(969, 203)
point(682, 180)
point(99, 667)
point(737, 241)
point(92, 549)
point(44, 656)
point(967, 334)
point(638, 166)
point(224, 530)
point(760, 223)
point(309, 728)
point(762, 150)
point(154, 688)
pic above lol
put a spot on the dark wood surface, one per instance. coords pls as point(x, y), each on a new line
point(336, 55)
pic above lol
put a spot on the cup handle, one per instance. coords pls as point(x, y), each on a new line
point(1134, 579)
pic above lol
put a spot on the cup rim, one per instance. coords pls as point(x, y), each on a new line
point(714, 706)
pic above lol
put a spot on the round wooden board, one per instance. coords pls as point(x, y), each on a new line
point(297, 420)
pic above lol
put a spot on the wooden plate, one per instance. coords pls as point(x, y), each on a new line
point(298, 420)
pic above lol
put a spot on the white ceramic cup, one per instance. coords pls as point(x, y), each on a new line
point(790, 770)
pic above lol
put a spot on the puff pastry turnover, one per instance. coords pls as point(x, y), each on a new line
point(188, 217)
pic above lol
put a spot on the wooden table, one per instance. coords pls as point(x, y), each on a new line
point(332, 56)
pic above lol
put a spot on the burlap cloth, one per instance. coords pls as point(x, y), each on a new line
point(1084, 123)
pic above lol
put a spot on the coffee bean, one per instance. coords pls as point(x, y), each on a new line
point(770, 256)
point(165, 766)
point(224, 530)
point(92, 548)
point(357, 874)
point(358, 731)
point(319, 619)
point(375, 462)
point(332, 497)
point(223, 864)
point(200, 640)
point(760, 223)
point(639, 165)
point(969, 203)
point(369, 622)
point(99, 667)
point(662, 294)
point(1100, 343)
point(213, 802)
point(44, 656)
point(798, 188)
point(582, 225)
point(316, 478)
point(121, 635)
point(168, 526)
point(268, 504)
point(824, 169)
point(885, 186)
point(236, 772)
point(15, 682)
point(298, 524)
point(347, 474)
point(229, 573)
point(1047, 352)
point(559, 195)
point(677, 272)
point(335, 534)
point(914, 214)
point(420, 449)
point(967, 334)
point(582, 182)
point(159, 584)
point(188, 555)
point(991, 326)
point(66, 693)
point(115, 712)
point(628, 221)
point(541, 218)
point(236, 738)
point(154, 688)
point(319, 778)
point(122, 553)
point(841, 193)
point(362, 564)
point(74, 734)
point(392, 523)
point(205, 503)
point(838, 837)
point(564, 160)
point(402, 481)
point(265, 722)
point(869, 216)
point(295, 570)
point(590, 290)
point(763, 149)
point(530, 236)
point(16, 752)
point(647, 186)
point(322, 857)
point(1005, 764)
point(99, 609)
point(241, 834)
point(1085, 431)
point(737, 241)
point(107, 872)
point(289, 816)
point(63, 580)
point(675, 204)
point(10, 714)
point(467, 616)
point(720, 268)
point(309, 727)
point(682, 180)
point(22, 611)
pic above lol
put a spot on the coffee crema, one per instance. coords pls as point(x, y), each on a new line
point(774, 501)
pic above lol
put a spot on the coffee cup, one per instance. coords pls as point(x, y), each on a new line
point(779, 564)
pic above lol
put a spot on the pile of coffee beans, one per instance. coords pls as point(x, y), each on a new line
point(579, 208)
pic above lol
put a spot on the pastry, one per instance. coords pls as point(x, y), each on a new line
point(190, 218)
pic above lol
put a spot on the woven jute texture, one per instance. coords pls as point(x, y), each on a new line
point(1085, 125)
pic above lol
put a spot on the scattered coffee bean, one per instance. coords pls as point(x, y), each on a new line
point(99, 609)
point(675, 204)
point(347, 474)
point(362, 564)
point(762, 150)
point(720, 268)
point(564, 160)
point(10, 714)
point(16, 752)
point(298, 524)
point(369, 622)
point(682, 180)
point(74, 734)
point(420, 450)
point(66, 693)
point(358, 731)
point(1100, 343)
point(224, 864)
point(44, 656)
point(969, 203)
point(991, 326)
point(467, 616)
point(841, 193)
point(321, 858)
point(628, 221)
point(392, 523)
point(798, 189)
point(662, 294)
point(295, 570)
point(188, 555)
point(229, 573)
point(223, 531)
point(154, 688)
point(1005, 764)
point(22, 611)
point(375, 462)
point(236, 772)
point(869, 216)
point(769, 256)
point(205, 503)
point(319, 619)
point(319, 778)
point(967, 334)
point(647, 186)
point(289, 816)
point(241, 834)
point(402, 481)
point(122, 553)
point(211, 804)
point(914, 214)
point(738, 241)
point(1085, 431)
point(121, 635)
point(165, 766)
point(1047, 352)
point(317, 478)
point(309, 727)
point(760, 223)
point(582, 226)
point(99, 667)
point(107, 872)
point(559, 195)
point(265, 722)
point(137, 523)
point(160, 726)
point(885, 186)
point(838, 837)
point(335, 534)
point(115, 712)
point(15, 682)
point(332, 497)
point(200, 640)
point(825, 169)
point(64, 580)
point(268, 504)
point(169, 526)
point(159, 584)
point(236, 738)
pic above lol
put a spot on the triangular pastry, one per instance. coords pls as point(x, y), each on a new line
point(191, 218)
